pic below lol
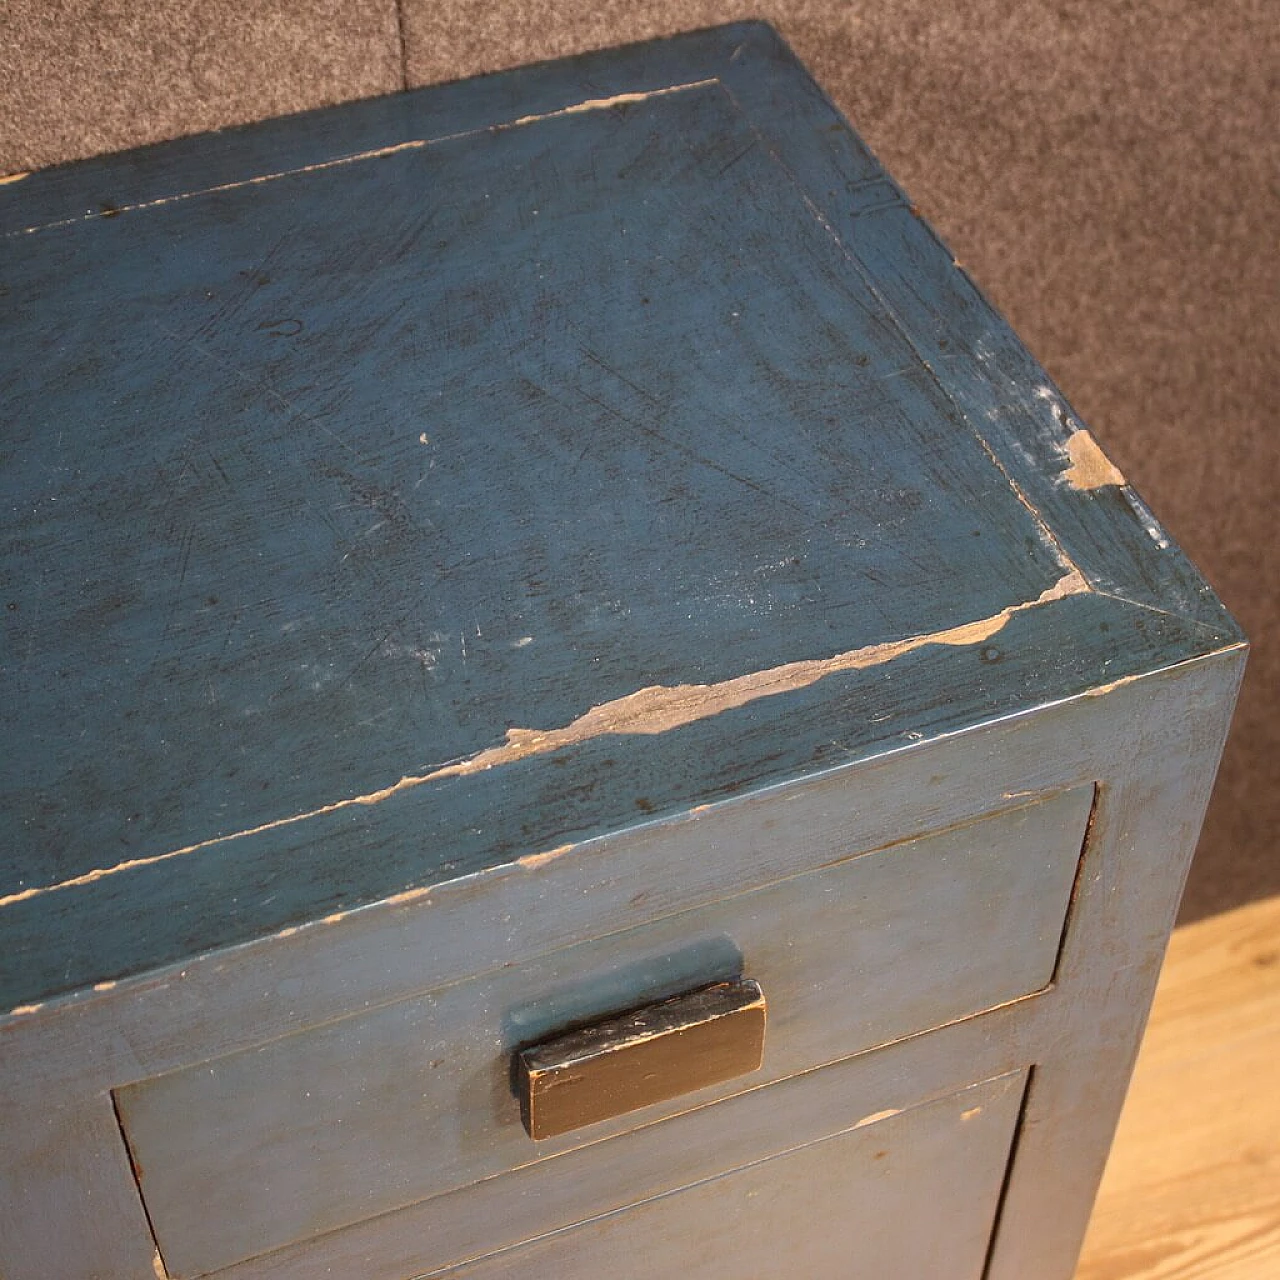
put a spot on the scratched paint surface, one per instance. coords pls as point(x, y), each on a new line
point(445, 464)
point(544, 417)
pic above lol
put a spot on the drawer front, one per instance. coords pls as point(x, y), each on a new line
point(334, 1125)
point(912, 1197)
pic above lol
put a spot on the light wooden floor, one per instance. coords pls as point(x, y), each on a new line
point(1192, 1190)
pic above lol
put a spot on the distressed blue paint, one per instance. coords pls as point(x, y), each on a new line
point(316, 482)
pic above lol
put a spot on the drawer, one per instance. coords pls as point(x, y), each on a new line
point(336, 1124)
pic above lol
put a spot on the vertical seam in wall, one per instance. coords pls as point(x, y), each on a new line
point(1084, 864)
point(162, 1269)
point(404, 49)
point(1019, 1126)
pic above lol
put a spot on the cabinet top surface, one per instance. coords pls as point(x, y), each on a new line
point(463, 473)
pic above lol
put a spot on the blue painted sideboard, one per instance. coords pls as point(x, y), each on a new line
point(490, 571)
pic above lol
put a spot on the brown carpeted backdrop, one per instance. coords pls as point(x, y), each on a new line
point(1108, 171)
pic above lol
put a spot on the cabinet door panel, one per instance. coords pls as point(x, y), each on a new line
point(910, 1196)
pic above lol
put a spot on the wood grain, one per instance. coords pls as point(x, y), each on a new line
point(1192, 1189)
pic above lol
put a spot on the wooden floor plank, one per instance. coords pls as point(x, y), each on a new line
point(1192, 1189)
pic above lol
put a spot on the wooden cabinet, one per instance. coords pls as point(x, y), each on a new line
point(486, 563)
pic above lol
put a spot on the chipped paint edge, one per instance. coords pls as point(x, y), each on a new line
point(1089, 467)
point(876, 1116)
point(532, 861)
point(376, 153)
point(169, 973)
point(1151, 526)
point(652, 710)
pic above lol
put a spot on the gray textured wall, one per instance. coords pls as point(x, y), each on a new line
point(1107, 171)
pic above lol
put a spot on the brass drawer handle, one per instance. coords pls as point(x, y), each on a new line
point(645, 1056)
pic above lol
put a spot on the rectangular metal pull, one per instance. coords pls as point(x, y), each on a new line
point(648, 1055)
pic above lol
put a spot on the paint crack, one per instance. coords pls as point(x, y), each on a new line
point(654, 709)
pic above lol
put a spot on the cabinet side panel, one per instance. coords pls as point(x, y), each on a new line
point(1143, 834)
